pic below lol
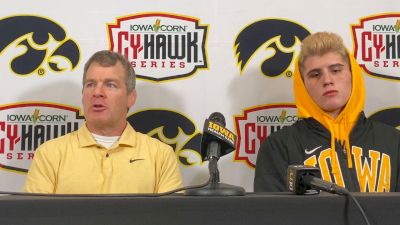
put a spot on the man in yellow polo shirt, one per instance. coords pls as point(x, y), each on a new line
point(105, 155)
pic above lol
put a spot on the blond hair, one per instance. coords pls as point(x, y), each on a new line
point(320, 43)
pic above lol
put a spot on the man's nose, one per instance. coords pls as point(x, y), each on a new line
point(327, 79)
point(99, 91)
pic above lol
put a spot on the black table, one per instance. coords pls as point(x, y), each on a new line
point(254, 208)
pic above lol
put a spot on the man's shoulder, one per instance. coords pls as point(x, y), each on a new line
point(152, 142)
point(291, 130)
point(57, 142)
point(292, 135)
point(384, 128)
point(62, 138)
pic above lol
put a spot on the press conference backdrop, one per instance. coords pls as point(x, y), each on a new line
point(192, 58)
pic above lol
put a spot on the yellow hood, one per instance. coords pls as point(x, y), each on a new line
point(341, 126)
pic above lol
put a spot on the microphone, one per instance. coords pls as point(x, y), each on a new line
point(216, 142)
point(303, 179)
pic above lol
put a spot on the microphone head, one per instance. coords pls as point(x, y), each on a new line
point(214, 131)
point(295, 174)
point(217, 117)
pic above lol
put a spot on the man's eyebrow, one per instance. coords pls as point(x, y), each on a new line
point(111, 80)
point(314, 70)
point(336, 64)
point(330, 66)
point(88, 80)
point(105, 80)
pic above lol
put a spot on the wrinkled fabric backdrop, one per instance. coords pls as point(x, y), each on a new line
point(192, 58)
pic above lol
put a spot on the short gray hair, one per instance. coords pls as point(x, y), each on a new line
point(108, 58)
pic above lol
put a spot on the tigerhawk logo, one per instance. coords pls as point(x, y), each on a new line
point(279, 37)
point(33, 44)
point(172, 128)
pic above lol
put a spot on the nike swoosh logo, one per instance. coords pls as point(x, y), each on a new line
point(134, 160)
point(308, 152)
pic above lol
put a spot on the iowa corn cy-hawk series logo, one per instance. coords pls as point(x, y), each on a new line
point(171, 128)
point(278, 38)
point(377, 45)
point(25, 126)
point(160, 46)
point(256, 124)
point(33, 44)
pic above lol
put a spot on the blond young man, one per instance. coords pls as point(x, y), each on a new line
point(332, 132)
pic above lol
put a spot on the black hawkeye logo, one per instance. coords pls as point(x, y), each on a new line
point(172, 128)
point(36, 45)
point(279, 37)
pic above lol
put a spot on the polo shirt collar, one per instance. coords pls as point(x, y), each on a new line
point(128, 136)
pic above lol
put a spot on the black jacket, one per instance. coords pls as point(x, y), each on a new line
point(375, 155)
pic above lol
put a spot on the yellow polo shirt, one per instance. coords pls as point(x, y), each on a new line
point(76, 164)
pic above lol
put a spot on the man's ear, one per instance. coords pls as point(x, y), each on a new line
point(131, 98)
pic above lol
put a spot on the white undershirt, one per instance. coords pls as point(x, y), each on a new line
point(105, 141)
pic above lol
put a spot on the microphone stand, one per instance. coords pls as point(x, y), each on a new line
point(215, 188)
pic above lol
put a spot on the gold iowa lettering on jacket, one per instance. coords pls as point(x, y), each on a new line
point(373, 170)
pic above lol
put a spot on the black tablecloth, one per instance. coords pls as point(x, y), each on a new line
point(253, 208)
